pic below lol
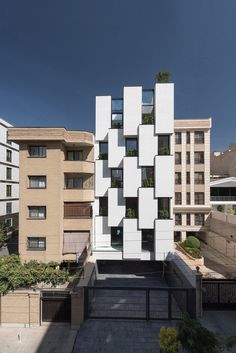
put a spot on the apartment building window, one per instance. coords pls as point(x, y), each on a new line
point(131, 147)
point(188, 137)
point(37, 151)
point(178, 139)
point(77, 210)
point(36, 243)
point(178, 198)
point(131, 207)
point(148, 239)
point(163, 145)
point(8, 156)
point(148, 177)
point(8, 142)
point(117, 114)
point(8, 207)
point(8, 222)
point(37, 182)
point(103, 206)
point(188, 198)
point(199, 177)
point(75, 155)
point(199, 219)
point(199, 137)
point(187, 157)
point(199, 198)
point(37, 212)
point(116, 237)
point(163, 207)
point(177, 157)
point(198, 157)
point(117, 178)
point(188, 219)
point(148, 107)
point(188, 178)
point(178, 180)
point(117, 105)
point(8, 191)
point(103, 150)
point(73, 182)
point(8, 173)
point(178, 219)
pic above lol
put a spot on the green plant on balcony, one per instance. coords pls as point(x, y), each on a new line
point(116, 125)
point(164, 151)
point(116, 183)
point(103, 156)
point(148, 183)
point(132, 152)
point(148, 120)
point(103, 211)
point(220, 208)
point(163, 77)
point(192, 246)
point(130, 213)
point(164, 214)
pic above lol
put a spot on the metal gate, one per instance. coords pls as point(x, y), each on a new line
point(139, 303)
point(219, 294)
point(55, 306)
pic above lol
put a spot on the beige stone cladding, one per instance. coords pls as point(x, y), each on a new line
point(192, 193)
point(57, 174)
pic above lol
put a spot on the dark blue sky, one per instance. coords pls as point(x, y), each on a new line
point(57, 55)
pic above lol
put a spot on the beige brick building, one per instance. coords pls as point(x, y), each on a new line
point(192, 176)
point(56, 192)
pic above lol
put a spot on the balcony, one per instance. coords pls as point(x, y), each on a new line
point(223, 198)
point(78, 167)
point(77, 210)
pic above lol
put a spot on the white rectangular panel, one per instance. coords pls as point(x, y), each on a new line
point(164, 238)
point(132, 177)
point(164, 108)
point(147, 208)
point(116, 148)
point(132, 114)
point(132, 239)
point(147, 149)
point(103, 117)
point(102, 178)
point(164, 176)
point(116, 207)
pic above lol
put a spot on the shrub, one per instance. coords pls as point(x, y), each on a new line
point(168, 340)
point(130, 213)
point(163, 77)
point(148, 120)
point(220, 208)
point(192, 242)
point(164, 214)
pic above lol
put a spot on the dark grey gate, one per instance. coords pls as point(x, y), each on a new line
point(219, 294)
point(56, 306)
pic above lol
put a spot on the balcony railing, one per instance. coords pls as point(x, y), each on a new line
point(223, 198)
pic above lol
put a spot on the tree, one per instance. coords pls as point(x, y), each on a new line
point(163, 77)
point(3, 233)
point(168, 340)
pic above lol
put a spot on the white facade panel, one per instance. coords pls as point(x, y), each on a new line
point(116, 148)
point(147, 145)
point(103, 117)
point(147, 208)
point(164, 238)
point(132, 177)
point(164, 108)
point(132, 114)
point(132, 239)
point(103, 178)
point(116, 207)
point(102, 233)
point(164, 176)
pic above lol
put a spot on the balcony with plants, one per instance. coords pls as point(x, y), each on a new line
point(131, 207)
point(117, 113)
point(148, 107)
point(148, 180)
point(131, 147)
point(164, 208)
point(117, 178)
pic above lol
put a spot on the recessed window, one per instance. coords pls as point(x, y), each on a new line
point(8, 173)
point(36, 243)
point(199, 177)
point(8, 207)
point(199, 198)
point(8, 156)
point(37, 151)
point(103, 206)
point(8, 222)
point(178, 219)
point(188, 219)
point(163, 207)
point(178, 139)
point(148, 239)
point(148, 107)
point(178, 180)
point(198, 157)
point(177, 157)
point(77, 210)
point(117, 178)
point(163, 145)
point(116, 237)
point(37, 212)
point(117, 121)
point(148, 177)
point(188, 198)
point(37, 182)
point(131, 207)
point(199, 219)
point(187, 157)
point(117, 105)
point(199, 137)
point(75, 155)
point(188, 178)
point(73, 182)
point(178, 198)
point(103, 150)
point(9, 142)
point(188, 137)
point(131, 147)
point(8, 190)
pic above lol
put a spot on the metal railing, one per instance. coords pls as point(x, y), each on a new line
point(223, 198)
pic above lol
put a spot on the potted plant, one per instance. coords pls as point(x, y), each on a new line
point(163, 77)
point(132, 153)
point(148, 120)
point(103, 156)
point(148, 183)
point(164, 214)
point(103, 211)
point(164, 151)
point(130, 213)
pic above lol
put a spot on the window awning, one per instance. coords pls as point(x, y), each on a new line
point(75, 242)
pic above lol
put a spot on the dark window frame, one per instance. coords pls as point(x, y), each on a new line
point(30, 208)
point(133, 152)
point(117, 187)
point(44, 147)
point(37, 176)
point(38, 240)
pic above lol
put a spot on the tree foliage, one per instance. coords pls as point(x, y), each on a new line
point(14, 274)
point(163, 77)
point(169, 342)
point(4, 230)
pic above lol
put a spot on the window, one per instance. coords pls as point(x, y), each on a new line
point(178, 198)
point(37, 212)
point(147, 107)
point(163, 145)
point(178, 219)
point(8, 190)
point(188, 178)
point(188, 198)
point(116, 237)
point(8, 222)
point(199, 198)
point(74, 155)
point(117, 105)
point(178, 178)
point(199, 219)
point(117, 178)
point(131, 147)
point(73, 182)
point(198, 157)
point(199, 137)
point(9, 156)
point(178, 138)
point(37, 182)
point(103, 206)
point(117, 113)
point(8, 207)
point(188, 219)
point(37, 151)
point(77, 210)
point(103, 150)
point(148, 177)
point(187, 157)
point(8, 173)
point(36, 243)
point(148, 239)
point(177, 157)
point(9, 142)
point(199, 177)
point(188, 137)
point(163, 207)
point(131, 207)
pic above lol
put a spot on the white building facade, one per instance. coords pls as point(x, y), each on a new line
point(134, 177)
point(9, 177)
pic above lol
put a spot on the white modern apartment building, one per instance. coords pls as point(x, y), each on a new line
point(134, 183)
point(9, 177)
